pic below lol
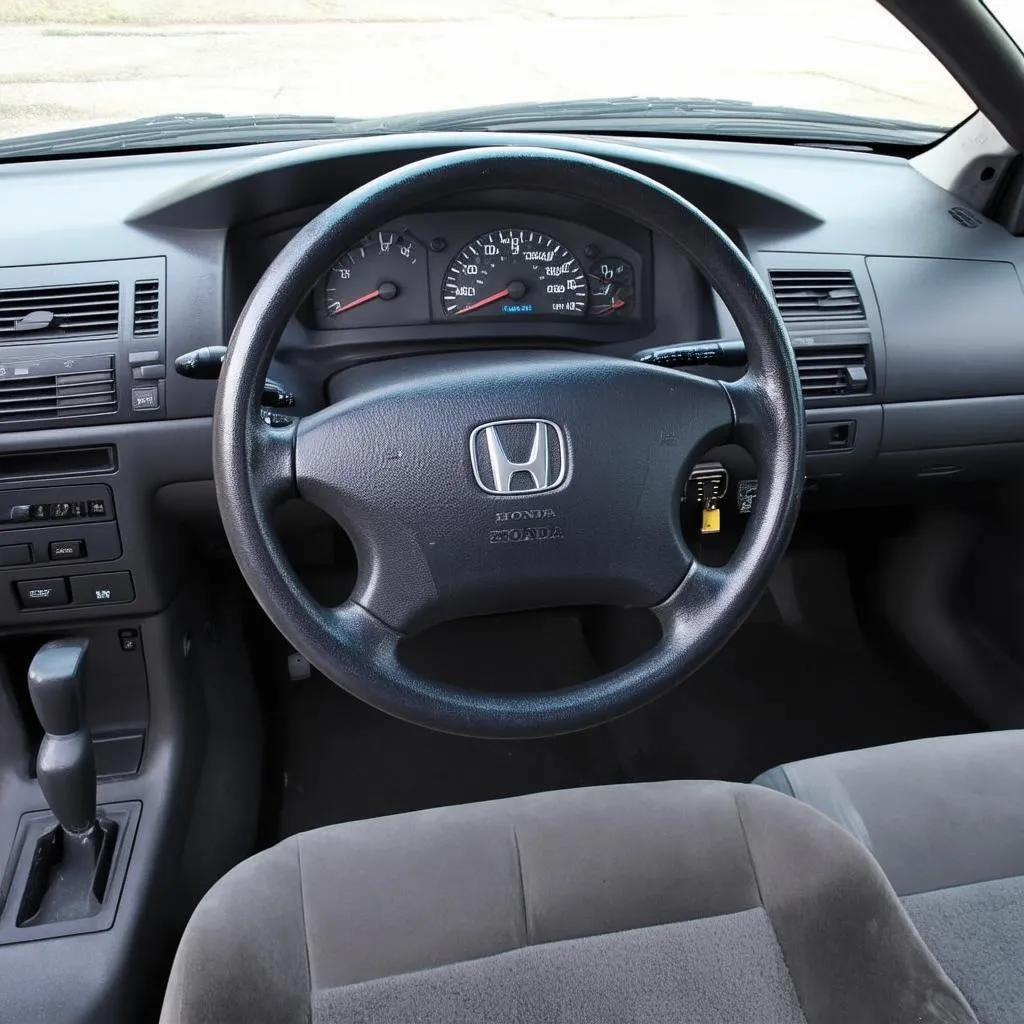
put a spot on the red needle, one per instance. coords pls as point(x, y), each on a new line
point(503, 294)
point(358, 302)
point(617, 304)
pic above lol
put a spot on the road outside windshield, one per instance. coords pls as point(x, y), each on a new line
point(69, 63)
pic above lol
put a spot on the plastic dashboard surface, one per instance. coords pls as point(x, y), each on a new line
point(938, 333)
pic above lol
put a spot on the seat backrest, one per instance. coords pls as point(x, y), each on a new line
point(674, 901)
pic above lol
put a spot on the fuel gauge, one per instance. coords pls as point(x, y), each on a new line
point(611, 288)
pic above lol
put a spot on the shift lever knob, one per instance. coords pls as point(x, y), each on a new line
point(65, 767)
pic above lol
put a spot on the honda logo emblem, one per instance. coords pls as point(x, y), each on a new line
point(518, 456)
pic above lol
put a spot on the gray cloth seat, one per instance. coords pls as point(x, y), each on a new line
point(679, 901)
point(935, 813)
point(944, 818)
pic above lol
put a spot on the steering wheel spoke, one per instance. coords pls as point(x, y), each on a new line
point(272, 462)
point(753, 426)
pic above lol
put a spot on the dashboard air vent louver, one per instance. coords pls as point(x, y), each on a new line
point(146, 310)
point(816, 295)
point(59, 311)
point(964, 217)
point(81, 393)
point(839, 370)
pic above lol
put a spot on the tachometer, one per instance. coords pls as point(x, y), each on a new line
point(380, 280)
point(515, 272)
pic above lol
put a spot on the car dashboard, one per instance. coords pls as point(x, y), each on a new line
point(905, 313)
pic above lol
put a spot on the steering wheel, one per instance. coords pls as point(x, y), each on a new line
point(413, 461)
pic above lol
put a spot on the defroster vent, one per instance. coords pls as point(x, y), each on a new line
point(146, 310)
point(58, 311)
point(804, 296)
point(87, 388)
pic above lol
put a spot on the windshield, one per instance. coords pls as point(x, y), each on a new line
point(66, 64)
point(1010, 14)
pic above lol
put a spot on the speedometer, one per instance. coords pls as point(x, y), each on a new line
point(515, 272)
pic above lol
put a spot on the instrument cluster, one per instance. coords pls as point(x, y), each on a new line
point(440, 268)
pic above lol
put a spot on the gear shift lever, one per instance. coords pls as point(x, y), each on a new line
point(70, 862)
point(65, 767)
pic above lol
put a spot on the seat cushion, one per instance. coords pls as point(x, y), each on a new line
point(977, 933)
point(667, 901)
point(935, 813)
point(945, 819)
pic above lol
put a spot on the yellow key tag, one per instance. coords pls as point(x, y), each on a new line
point(710, 520)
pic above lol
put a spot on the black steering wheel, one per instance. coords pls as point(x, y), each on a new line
point(412, 460)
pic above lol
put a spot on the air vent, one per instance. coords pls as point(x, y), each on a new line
point(27, 314)
point(964, 217)
point(839, 370)
point(83, 393)
point(146, 311)
point(816, 295)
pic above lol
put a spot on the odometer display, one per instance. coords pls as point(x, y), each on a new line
point(515, 272)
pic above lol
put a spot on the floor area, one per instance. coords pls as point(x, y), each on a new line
point(769, 696)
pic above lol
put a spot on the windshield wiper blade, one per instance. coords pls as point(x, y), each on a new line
point(177, 130)
point(650, 115)
point(655, 115)
point(500, 116)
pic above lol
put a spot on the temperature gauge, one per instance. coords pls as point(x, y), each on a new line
point(611, 288)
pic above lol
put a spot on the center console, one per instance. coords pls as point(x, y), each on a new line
point(83, 358)
point(118, 812)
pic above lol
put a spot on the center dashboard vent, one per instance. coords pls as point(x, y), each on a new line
point(804, 296)
point(59, 311)
point(835, 370)
point(146, 309)
point(89, 389)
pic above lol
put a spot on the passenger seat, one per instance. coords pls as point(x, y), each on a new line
point(945, 819)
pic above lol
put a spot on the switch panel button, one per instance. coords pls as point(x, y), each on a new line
point(129, 639)
point(155, 371)
point(15, 554)
point(102, 588)
point(42, 593)
point(61, 549)
point(145, 397)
